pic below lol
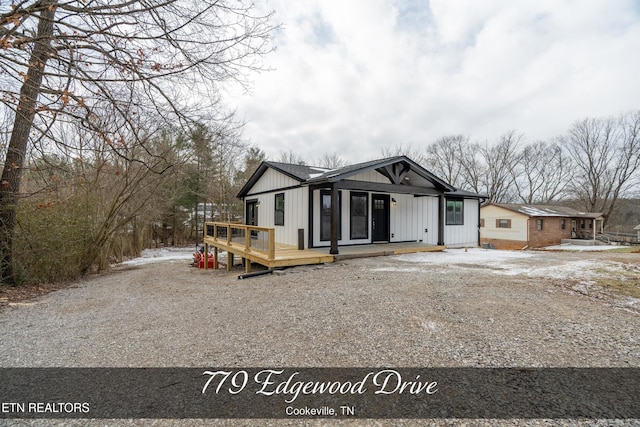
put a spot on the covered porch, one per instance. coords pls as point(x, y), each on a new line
point(382, 249)
point(258, 245)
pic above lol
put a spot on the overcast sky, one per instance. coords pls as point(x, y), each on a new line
point(354, 76)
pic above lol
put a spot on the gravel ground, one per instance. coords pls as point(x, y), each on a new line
point(411, 310)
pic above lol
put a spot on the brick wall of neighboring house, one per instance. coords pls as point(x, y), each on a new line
point(551, 233)
point(505, 244)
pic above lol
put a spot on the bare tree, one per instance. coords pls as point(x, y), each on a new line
point(444, 158)
point(606, 155)
point(331, 161)
point(87, 61)
point(472, 168)
point(542, 173)
point(415, 154)
point(93, 192)
point(499, 161)
point(291, 158)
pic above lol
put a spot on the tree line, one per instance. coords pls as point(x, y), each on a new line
point(95, 96)
point(593, 164)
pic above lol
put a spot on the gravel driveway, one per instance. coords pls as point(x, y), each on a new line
point(452, 309)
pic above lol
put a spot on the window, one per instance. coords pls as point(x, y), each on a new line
point(325, 215)
point(455, 212)
point(503, 223)
point(563, 224)
point(582, 224)
point(481, 222)
point(539, 224)
point(359, 215)
point(279, 211)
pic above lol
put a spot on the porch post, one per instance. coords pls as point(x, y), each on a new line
point(335, 218)
point(441, 219)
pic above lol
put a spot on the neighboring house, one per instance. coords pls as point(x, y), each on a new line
point(388, 200)
point(520, 226)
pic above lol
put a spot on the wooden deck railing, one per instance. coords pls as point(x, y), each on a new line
point(247, 238)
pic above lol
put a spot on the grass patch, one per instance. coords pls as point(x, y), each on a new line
point(622, 281)
point(625, 250)
point(621, 287)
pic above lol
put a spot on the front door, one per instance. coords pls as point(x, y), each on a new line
point(251, 217)
point(380, 217)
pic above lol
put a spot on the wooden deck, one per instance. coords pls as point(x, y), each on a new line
point(257, 244)
point(284, 255)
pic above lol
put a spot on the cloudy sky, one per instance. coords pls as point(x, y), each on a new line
point(354, 76)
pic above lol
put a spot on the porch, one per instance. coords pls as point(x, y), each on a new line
point(258, 245)
point(382, 249)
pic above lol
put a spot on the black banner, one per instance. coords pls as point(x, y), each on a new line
point(596, 393)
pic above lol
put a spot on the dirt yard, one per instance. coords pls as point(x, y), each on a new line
point(452, 309)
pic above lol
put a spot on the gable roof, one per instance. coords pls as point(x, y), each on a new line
point(381, 166)
point(300, 173)
point(537, 210)
point(396, 169)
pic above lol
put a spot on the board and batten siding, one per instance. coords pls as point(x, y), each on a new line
point(406, 217)
point(296, 206)
point(272, 180)
point(465, 235)
point(411, 216)
point(430, 220)
point(371, 176)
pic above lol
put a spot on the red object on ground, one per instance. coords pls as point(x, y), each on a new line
point(199, 260)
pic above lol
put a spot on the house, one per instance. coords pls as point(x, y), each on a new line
point(521, 226)
point(387, 200)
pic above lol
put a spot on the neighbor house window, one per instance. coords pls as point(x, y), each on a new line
point(539, 224)
point(503, 223)
point(455, 212)
point(359, 215)
point(563, 224)
point(481, 222)
point(279, 212)
point(325, 215)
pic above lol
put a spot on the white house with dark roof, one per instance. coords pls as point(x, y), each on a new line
point(387, 200)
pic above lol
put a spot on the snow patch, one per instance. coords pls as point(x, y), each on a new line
point(468, 256)
point(516, 263)
point(151, 256)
